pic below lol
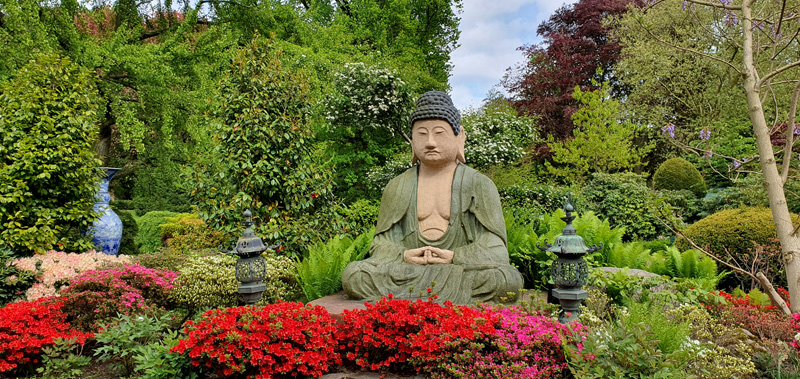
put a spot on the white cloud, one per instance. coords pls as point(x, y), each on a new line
point(491, 32)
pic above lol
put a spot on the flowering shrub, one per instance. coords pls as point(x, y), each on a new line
point(58, 267)
point(95, 297)
point(496, 136)
point(523, 346)
point(764, 321)
point(282, 338)
point(390, 332)
point(26, 327)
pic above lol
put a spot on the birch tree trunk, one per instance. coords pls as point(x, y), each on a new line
point(787, 234)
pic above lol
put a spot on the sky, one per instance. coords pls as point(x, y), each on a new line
point(491, 32)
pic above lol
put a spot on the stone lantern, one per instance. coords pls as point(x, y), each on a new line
point(251, 268)
point(570, 271)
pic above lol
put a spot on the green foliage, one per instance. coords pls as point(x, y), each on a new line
point(669, 333)
point(679, 174)
point(496, 135)
point(63, 360)
point(13, 281)
point(535, 264)
point(670, 262)
point(533, 199)
point(48, 122)
point(361, 215)
point(321, 271)
point(130, 229)
point(733, 229)
point(625, 201)
point(686, 205)
point(600, 143)
point(168, 259)
point(207, 282)
point(623, 287)
point(126, 336)
point(368, 113)
point(157, 186)
point(186, 232)
point(149, 236)
point(623, 350)
point(263, 160)
point(155, 361)
point(281, 281)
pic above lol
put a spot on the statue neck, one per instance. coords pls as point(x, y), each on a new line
point(442, 171)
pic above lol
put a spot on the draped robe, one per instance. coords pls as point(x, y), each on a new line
point(476, 233)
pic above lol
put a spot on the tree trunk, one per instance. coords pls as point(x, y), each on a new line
point(790, 243)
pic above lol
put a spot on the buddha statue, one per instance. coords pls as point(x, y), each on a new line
point(440, 224)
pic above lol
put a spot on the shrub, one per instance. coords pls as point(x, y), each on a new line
point(537, 199)
point(186, 232)
point(55, 269)
point(389, 333)
point(687, 206)
point(361, 215)
point(169, 259)
point(733, 229)
point(130, 229)
point(742, 311)
point(207, 282)
point(264, 154)
point(125, 338)
point(679, 174)
point(496, 135)
point(281, 280)
point(157, 186)
point(27, 327)
point(149, 237)
point(624, 200)
point(523, 346)
point(96, 297)
point(48, 167)
point(14, 281)
point(277, 339)
point(321, 271)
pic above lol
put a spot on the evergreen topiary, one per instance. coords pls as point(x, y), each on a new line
point(679, 174)
point(732, 229)
point(48, 167)
point(149, 236)
point(625, 201)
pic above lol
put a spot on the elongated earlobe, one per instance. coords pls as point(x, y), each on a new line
point(462, 141)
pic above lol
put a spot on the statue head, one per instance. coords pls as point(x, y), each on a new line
point(437, 105)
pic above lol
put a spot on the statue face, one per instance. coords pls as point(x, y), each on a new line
point(434, 143)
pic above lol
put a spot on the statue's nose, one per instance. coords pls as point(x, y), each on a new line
point(430, 142)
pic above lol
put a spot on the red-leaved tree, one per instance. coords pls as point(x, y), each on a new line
point(575, 50)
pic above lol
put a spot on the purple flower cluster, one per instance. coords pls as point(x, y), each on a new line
point(705, 134)
point(668, 129)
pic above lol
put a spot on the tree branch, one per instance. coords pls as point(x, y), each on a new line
point(686, 49)
point(236, 3)
point(716, 5)
point(787, 149)
point(776, 72)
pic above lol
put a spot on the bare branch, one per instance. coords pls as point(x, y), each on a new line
point(776, 72)
point(787, 149)
point(716, 5)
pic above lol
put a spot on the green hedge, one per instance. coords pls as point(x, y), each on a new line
point(149, 236)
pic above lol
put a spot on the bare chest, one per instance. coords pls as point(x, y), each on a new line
point(433, 207)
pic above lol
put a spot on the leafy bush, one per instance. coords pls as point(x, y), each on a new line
point(733, 229)
point(321, 271)
point(378, 177)
point(15, 281)
point(679, 174)
point(670, 333)
point(187, 232)
point(55, 269)
point(130, 229)
point(273, 340)
point(524, 345)
point(621, 351)
point(688, 207)
point(96, 297)
point(48, 124)
point(740, 310)
point(157, 186)
point(496, 135)
point(624, 200)
point(281, 280)
point(689, 264)
point(149, 237)
point(361, 215)
point(168, 259)
point(391, 332)
point(27, 327)
point(125, 338)
point(527, 203)
point(63, 360)
point(264, 158)
point(207, 282)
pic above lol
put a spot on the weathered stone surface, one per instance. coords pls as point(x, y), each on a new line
point(337, 303)
point(631, 272)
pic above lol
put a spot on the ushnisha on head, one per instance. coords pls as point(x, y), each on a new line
point(431, 106)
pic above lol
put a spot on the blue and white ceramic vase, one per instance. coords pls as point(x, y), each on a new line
point(107, 230)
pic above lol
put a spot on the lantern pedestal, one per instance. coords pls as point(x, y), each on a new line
point(570, 300)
